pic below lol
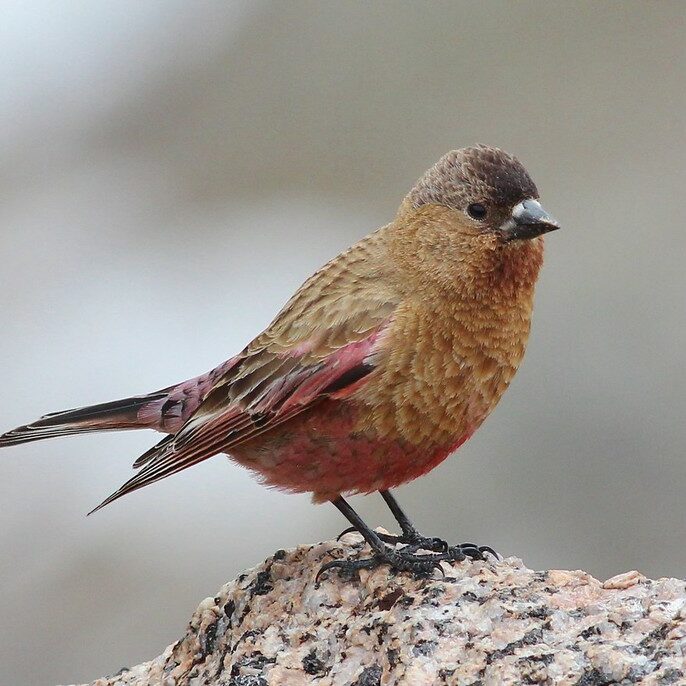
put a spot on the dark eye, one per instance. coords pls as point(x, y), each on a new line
point(477, 211)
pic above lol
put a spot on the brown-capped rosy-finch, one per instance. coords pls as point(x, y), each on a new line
point(382, 364)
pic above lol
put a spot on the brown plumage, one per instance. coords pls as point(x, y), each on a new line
point(380, 365)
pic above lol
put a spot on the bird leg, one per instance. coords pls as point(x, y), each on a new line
point(410, 535)
point(405, 559)
point(414, 541)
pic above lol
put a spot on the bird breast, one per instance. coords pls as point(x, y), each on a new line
point(443, 369)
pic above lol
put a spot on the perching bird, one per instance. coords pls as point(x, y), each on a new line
point(383, 363)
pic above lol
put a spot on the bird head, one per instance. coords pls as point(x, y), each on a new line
point(474, 216)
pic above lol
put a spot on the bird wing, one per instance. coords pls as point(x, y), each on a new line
point(323, 344)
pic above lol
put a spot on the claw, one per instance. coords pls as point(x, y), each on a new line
point(488, 549)
point(470, 551)
point(349, 530)
point(437, 545)
point(438, 566)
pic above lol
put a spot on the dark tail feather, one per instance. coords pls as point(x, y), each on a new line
point(148, 455)
point(112, 416)
point(160, 462)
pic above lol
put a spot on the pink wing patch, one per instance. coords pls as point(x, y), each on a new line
point(219, 424)
point(172, 411)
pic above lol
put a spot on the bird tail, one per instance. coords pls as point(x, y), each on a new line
point(165, 410)
point(129, 413)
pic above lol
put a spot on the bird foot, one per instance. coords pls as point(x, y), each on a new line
point(407, 560)
point(401, 561)
point(417, 542)
point(414, 541)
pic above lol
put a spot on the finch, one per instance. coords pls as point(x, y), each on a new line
point(381, 365)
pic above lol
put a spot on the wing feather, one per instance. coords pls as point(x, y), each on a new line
point(217, 427)
point(323, 343)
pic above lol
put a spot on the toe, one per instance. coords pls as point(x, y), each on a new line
point(347, 569)
point(349, 530)
point(488, 549)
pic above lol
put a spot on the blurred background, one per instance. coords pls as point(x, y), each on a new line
point(170, 172)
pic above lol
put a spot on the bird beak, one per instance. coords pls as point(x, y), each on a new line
point(528, 220)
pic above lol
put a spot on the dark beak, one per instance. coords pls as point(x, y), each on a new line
point(528, 220)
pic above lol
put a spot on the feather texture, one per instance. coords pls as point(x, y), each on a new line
point(383, 362)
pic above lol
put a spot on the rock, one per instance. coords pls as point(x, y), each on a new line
point(485, 623)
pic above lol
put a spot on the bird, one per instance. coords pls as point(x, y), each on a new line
point(381, 365)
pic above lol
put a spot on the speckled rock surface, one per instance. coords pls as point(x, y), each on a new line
point(484, 624)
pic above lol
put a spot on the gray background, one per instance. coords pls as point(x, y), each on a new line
point(171, 171)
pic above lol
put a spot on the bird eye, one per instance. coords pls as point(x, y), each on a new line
point(476, 211)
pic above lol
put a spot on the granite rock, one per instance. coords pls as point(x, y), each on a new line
point(483, 624)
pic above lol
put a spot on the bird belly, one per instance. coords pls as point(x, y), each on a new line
point(325, 451)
